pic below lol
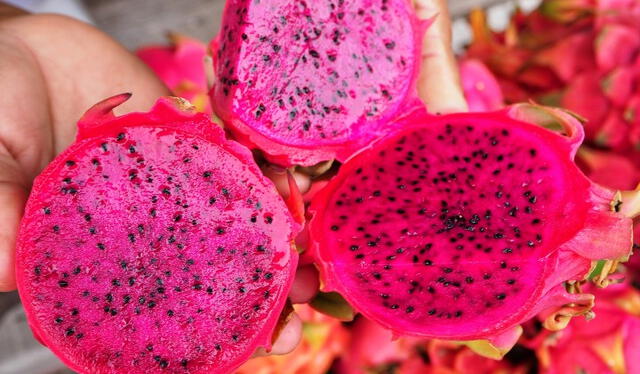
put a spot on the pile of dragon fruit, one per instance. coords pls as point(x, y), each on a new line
point(498, 240)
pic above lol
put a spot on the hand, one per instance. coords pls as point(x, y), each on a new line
point(52, 69)
point(439, 82)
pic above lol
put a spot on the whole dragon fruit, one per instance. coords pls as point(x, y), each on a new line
point(463, 226)
point(310, 81)
point(583, 55)
point(153, 244)
point(181, 66)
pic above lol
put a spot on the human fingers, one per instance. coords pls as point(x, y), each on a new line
point(439, 82)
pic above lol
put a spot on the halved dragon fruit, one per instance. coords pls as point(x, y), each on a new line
point(463, 226)
point(309, 81)
point(153, 244)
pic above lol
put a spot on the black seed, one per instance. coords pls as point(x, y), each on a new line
point(115, 282)
point(170, 313)
point(431, 312)
point(120, 136)
point(469, 280)
point(100, 246)
point(500, 296)
point(63, 283)
point(70, 163)
point(69, 332)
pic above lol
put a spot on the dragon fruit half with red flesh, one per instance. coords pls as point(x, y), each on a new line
point(310, 81)
point(463, 226)
point(153, 244)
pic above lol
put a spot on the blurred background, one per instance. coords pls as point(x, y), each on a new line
point(137, 23)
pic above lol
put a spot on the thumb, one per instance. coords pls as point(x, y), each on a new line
point(13, 196)
point(439, 82)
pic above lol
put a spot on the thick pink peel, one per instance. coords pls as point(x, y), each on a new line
point(153, 244)
point(337, 73)
point(463, 226)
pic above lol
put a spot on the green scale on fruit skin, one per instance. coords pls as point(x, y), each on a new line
point(451, 227)
point(139, 251)
point(338, 71)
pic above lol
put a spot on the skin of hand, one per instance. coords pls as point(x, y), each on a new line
point(53, 68)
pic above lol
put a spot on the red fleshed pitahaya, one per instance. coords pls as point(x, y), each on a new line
point(153, 244)
point(463, 226)
point(323, 338)
point(607, 344)
point(181, 66)
point(309, 81)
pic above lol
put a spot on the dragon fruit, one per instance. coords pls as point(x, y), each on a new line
point(323, 338)
point(372, 350)
point(481, 89)
point(309, 81)
point(463, 226)
point(180, 66)
point(608, 344)
point(583, 55)
point(153, 244)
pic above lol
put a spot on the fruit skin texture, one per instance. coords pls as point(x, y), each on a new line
point(397, 245)
point(137, 252)
point(306, 82)
point(373, 350)
point(583, 55)
point(481, 89)
point(323, 339)
point(181, 66)
point(607, 344)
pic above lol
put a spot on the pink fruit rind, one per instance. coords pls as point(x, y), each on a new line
point(308, 152)
point(480, 86)
point(172, 115)
point(181, 66)
point(568, 256)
